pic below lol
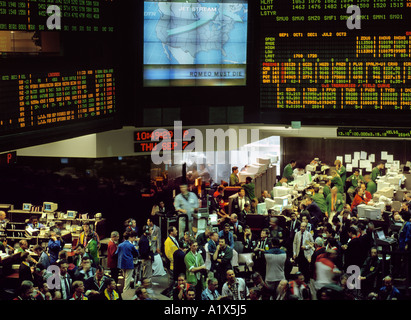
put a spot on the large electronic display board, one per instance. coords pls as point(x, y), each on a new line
point(195, 43)
point(53, 78)
point(34, 100)
point(76, 15)
point(315, 54)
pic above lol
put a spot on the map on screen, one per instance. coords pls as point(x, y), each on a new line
point(197, 43)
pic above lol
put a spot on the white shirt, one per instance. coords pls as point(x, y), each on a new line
point(325, 274)
point(241, 202)
point(275, 266)
point(175, 241)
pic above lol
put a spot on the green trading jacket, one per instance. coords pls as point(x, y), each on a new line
point(354, 180)
point(343, 174)
point(319, 199)
point(190, 261)
point(92, 248)
point(249, 189)
point(372, 187)
point(326, 191)
point(288, 172)
point(234, 181)
point(337, 181)
point(375, 173)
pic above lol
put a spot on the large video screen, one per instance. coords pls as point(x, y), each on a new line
point(195, 43)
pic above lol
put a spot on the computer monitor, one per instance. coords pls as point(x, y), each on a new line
point(369, 212)
point(373, 213)
point(49, 206)
point(71, 214)
point(212, 219)
point(27, 206)
point(301, 181)
point(283, 201)
point(278, 208)
point(381, 234)
point(280, 191)
point(261, 208)
point(309, 168)
point(361, 210)
point(269, 203)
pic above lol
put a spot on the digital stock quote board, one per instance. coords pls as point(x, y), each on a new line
point(76, 15)
point(42, 83)
point(317, 55)
point(31, 100)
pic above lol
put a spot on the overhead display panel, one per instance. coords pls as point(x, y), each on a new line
point(58, 69)
point(77, 15)
point(335, 55)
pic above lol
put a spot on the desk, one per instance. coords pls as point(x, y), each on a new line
point(229, 191)
point(7, 263)
point(256, 222)
point(21, 215)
